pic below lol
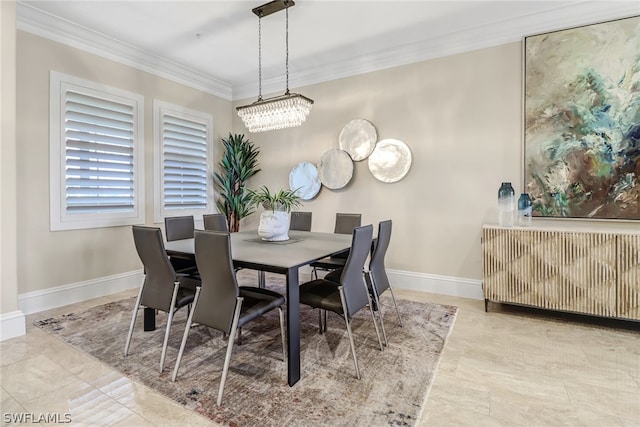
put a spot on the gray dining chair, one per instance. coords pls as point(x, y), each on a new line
point(178, 228)
point(215, 222)
point(162, 289)
point(378, 279)
point(376, 276)
point(300, 221)
point(218, 222)
point(220, 303)
point(349, 295)
point(345, 224)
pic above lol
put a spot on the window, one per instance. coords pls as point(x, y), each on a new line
point(183, 153)
point(96, 160)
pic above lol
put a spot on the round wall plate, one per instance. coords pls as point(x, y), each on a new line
point(335, 169)
point(358, 138)
point(390, 160)
point(304, 180)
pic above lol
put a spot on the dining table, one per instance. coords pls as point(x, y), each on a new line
point(302, 248)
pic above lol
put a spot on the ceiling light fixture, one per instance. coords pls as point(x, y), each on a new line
point(278, 112)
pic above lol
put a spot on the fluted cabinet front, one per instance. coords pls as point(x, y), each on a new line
point(629, 277)
point(583, 272)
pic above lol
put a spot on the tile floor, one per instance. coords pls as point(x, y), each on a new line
point(509, 367)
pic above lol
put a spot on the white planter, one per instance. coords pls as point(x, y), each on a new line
point(274, 226)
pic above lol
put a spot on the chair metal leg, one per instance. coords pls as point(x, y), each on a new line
point(396, 305)
point(184, 336)
point(262, 281)
point(373, 317)
point(133, 319)
point(381, 317)
point(320, 321)
point(174, 297)
point(346, 320)
point(376, 299)
point(284, 342)
point(324, 320)
point(227, 358)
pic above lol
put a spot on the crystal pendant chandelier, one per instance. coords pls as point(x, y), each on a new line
point(278, 112)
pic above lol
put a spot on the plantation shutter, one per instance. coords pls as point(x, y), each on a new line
point(99, 149)
point(184, 165)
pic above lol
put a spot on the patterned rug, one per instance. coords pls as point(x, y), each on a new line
point(393, 389)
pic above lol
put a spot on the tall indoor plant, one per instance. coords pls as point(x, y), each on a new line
point(239, 163)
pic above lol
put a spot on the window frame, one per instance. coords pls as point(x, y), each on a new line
point(60, 219)
point(160, 109)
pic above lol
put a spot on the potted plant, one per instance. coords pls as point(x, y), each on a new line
point(239, 163)
point(274, 220)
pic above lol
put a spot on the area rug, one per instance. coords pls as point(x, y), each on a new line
point(392, 391)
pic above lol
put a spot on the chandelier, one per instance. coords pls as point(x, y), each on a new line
point(278, 112)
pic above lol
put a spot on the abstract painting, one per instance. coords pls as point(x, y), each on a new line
point(582, 121)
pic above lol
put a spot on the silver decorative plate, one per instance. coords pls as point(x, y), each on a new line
point(390, 160)
point(358, 138)
point(304, 177)
point(335, 169)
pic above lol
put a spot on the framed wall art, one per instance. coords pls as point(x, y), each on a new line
point(582, 121)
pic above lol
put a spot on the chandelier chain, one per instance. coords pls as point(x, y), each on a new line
point(287, 44)
point(260, 57)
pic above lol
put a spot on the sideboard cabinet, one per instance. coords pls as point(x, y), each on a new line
point(587, 272)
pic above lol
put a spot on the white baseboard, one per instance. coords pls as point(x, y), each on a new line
point(447, 285)
point(33, 302)
point(12, 324)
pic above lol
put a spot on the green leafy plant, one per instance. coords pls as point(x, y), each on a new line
point(239, 163)
point(283, 200)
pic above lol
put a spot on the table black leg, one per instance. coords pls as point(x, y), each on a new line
point(293, 325)
point(149, 319)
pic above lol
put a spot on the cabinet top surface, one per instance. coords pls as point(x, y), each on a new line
point(614, 229)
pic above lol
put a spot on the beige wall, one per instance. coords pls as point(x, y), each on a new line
point(462, 118)
point(460, 115)
point(8, 257)
point(48, 259)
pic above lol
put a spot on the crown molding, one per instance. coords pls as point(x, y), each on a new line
point(469, 39)
point(51, 27)
point(478, 37)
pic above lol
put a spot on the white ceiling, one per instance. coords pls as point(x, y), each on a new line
point(213, 45)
